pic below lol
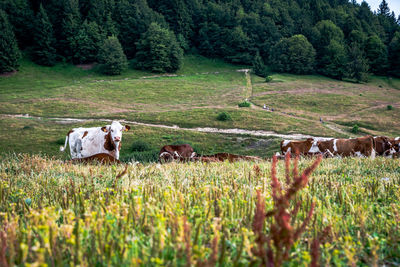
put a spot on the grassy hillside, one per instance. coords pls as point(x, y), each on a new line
point(63, 214)
point(192, 98)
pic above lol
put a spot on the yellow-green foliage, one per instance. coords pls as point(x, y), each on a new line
point(57, 213)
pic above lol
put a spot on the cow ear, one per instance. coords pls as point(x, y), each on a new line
point(127, 128)
point(104, 129)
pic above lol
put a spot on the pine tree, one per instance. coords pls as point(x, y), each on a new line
point(43, 52)
point(357, 64)
point(88, 41)
point(384, 9)
point(158, 50)
point(258, 65)
point(334, 60)
point(377, 55)
point(9, 52)
point(70, 26)
point(294, 55)
point(394, 55)
point(111, 57)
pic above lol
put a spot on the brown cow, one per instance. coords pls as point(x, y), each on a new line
point(102, 158)
point(361, 147)
point(176, 152)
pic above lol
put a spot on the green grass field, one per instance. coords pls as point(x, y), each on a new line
point(60, 214)
point(192, 98)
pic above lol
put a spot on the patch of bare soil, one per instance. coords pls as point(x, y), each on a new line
point(86, 66)
point(8, 74)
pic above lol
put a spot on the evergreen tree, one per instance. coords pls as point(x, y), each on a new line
point(377, 55)
point(70, 27)
point(235, 47)
point(111, 57)
point(21, 17)
point(357, 64)
point(294, 55)
point(334, 60)
point(87, 43)
point(9, 52)
point(384, 9)
point(43, 52)
point(259, 66)
point(158, 50)
point(394, 55)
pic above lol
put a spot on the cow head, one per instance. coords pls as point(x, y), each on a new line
point(115, 131)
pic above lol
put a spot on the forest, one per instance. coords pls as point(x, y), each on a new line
point(334, 38)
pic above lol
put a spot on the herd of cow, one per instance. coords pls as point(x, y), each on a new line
point(104, 144)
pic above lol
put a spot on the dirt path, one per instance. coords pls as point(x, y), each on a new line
point(234, 131)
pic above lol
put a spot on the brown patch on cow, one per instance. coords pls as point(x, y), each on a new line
point(109, 144)
point(84, 134)
point(102, 158)
point(70, 132)
point(104, 129)
point(119, 146)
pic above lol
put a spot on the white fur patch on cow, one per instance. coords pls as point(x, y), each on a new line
point(285, 142)
point(334, 145)
point(397, 138)
point(314, 147)
point(359, 154)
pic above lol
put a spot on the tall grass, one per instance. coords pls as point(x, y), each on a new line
point(57, 213)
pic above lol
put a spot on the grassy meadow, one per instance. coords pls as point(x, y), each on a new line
point(60, 214)
point(191, 98)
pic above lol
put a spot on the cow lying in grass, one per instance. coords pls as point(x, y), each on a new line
point(176, 152)
point(86, 142)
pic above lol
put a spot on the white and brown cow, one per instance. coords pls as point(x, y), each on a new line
point(361, 147)
point(302, 147)
point(86, 142)
point(384, 146)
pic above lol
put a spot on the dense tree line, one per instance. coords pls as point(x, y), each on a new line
point(336, 38)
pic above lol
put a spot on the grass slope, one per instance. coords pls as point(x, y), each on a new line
point(191, 98)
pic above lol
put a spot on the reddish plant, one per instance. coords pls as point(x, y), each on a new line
point(3, 248)
point(282, 233)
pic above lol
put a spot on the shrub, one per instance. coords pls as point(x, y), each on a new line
point(244, 104)
point(389, 107)
point(224, 116)
point(140, 146)
point(112, 57)
point(268, 79)
point(355, 129)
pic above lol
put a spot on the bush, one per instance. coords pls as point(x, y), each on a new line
point(355, 129)
point(112, 57)
point(268, 79)
point(140, 146)
point(224, 116)
point(244, 104)
point(389, 107)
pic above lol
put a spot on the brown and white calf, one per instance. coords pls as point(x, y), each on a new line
point(176, 152)
point(361, 147)
point(86, 142)
point(384, 146)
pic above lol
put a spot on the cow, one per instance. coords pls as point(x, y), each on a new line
point(304, 147)
point(102, 158)
point(176, 152)
point(361, 147)
point(384, 146)
point(86, 142)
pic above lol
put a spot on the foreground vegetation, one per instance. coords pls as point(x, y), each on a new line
point(56, 213)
